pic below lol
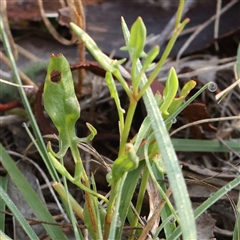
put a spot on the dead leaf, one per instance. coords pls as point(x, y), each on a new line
point(197, 111)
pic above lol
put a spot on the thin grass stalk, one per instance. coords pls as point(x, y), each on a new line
point(3, 184)
point(140, 199)
point(17, 214)
point(26, 104)
point(236, 234)
point(127, 126)
point(208, 203)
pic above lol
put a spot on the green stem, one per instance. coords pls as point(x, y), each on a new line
point(180, 109)
point(110, 207)
point(82, 176)
point(79, 169)
point(140, 199)
point(127, 126)
point(120, 78)
point(168, 49)
point(59, 188)
point(179, 13)
point(84, 188)
point(116, 215)
point(133, 75)
point(69, 209)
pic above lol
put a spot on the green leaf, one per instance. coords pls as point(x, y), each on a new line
point(138, 35)
point(150, 57)
point(185, 104)
point(187, 88)
point(59, 188)
point(193, 145)
point(137, 40)
point(126, 197)
point(107, 63)
point(125, 163)
point(60, 100)
point(177, 102)
point(114, 94)
point(147, 63)
point(90, 137)
point(170, 91)
point(214, 197)
point(3, 184)
point(94, 217)
point(159, 163)
point(17, 214)
point(87, 221)
point(30, 196)
point(58, 166)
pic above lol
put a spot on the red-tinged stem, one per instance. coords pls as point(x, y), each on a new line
point(7, 106)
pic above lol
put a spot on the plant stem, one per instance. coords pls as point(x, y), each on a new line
point(175, 176)
point(111, 208)
point(62, 192)
point(168, 49)
point(79, 169)
point(127, 126)
point(140, 199)
point(179, 13)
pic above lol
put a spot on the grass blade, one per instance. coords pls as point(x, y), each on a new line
point(26, 104)
point(17, 214)
point(208, 203)
point(193, 145)
point(3, 236)
point(30, 196)
point(3, 184)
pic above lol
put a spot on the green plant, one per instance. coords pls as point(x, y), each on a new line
point(128, 156)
